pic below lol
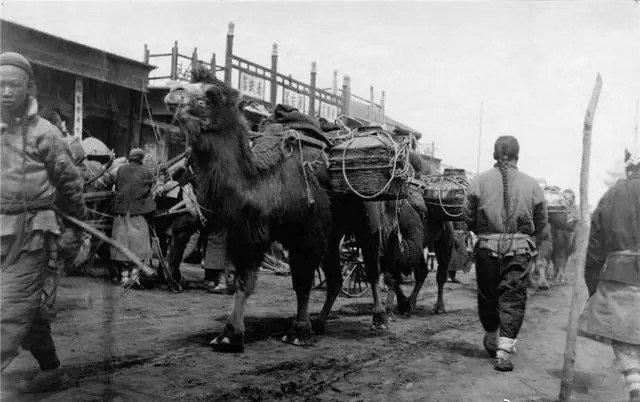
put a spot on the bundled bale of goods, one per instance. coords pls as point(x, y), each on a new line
point(557, 206)
point(447, 192)
point(371, 164)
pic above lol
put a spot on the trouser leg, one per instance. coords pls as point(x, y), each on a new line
point(39, 342)
point(488, 278)
point(21, 287)
point(512, 295)
point(628, 360)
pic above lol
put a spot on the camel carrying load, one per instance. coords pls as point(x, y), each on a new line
point(275, 185)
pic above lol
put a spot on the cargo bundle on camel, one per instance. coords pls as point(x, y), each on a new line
point(276, 189)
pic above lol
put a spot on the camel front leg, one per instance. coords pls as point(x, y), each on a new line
point(231, 339)
point(443, 254)
point(303, 266)
point(333, 278)
point(420, 275)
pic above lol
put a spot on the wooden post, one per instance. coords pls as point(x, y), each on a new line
point(479, 138)
point(273, 98)
point(194, 55)
point(383, 115)
point(346, 94)
point(312, 95)
point(213, 64)
point(174, 62)
point(372, 105)
point(145, 57)
point(582, 238)
point(228, 59)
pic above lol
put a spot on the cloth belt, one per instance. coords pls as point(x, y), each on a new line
point(20, 208)
point(622, 266)
point(507, 244)
point(14, 207)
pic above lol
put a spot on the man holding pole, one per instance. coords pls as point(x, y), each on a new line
point(37, 171)
point(612, 273)
point(505, 208)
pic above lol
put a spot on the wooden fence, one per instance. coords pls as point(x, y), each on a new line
point(270, 87)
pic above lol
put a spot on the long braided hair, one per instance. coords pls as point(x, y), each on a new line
point(506, 149)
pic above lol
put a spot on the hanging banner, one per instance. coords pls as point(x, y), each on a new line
point(329, 112)
point(252, 86)
point(296, 100)
point(77, 119)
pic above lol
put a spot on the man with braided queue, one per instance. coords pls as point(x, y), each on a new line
point(505, 208)
point(37, 175)
point(612, 274)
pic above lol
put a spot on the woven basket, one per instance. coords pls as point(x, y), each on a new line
point(447, 192)
point(371, 165)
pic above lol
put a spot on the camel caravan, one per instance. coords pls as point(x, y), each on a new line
point(307, 183)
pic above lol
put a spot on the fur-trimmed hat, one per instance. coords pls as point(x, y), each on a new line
point(507, 147)
point(16, 60)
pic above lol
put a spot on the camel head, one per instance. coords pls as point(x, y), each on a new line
point(205, 106)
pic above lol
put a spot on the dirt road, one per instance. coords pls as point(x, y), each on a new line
point(159, 346)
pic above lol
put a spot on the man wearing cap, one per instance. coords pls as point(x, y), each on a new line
point(37, 172)
point(133, 203)
point(612, 273)
point(505, 208)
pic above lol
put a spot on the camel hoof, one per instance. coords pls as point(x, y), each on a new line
point(300, 334)
point(229, 341)
point(439, 309)
point(319, 327)
point(404, 306)
point(380, 321)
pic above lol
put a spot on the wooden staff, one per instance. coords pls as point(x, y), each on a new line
point(582, 238)
point(94, 232)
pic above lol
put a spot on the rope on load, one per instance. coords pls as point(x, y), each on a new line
point(443, 206)
point(398, 152)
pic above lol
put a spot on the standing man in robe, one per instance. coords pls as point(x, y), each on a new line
point(37, 171)
point(612, 273)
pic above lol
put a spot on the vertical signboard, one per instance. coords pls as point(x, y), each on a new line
point(77, 119)
point(251, 86)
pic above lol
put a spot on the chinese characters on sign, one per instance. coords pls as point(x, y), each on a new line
point(329, 112)
point(296, 100)
point(77, 119)
point(252, 86)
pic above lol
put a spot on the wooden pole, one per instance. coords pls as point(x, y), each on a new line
point(228, 55)
point(479, 139)
point(94, 232)
point(582, 238)
point(273, 95)
point(174, 61)
point(312, 85)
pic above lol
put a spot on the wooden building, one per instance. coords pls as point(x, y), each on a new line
point(97, 93)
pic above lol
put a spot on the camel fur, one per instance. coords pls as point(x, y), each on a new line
point(257, 196)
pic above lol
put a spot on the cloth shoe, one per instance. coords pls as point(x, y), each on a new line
point(44, 381)
point(490, 342)
point(506, 348)
point(503, 361)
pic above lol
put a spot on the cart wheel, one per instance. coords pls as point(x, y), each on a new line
point(354, 282)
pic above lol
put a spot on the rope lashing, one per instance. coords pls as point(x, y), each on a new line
point(398, 151)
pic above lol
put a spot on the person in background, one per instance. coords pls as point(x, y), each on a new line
point(612, 273)
point(37, 176)
point(505, 208)
point(133, 205)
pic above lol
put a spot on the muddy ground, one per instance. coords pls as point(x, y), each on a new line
point(158, 343)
